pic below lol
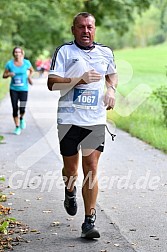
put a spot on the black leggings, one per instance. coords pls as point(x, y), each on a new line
point(17, 96)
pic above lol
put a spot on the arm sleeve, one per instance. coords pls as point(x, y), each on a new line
point(7, 66)
point(111, 66)
point(29, 64)
point(58, 63)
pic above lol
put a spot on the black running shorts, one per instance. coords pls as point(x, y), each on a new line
point(72, 138)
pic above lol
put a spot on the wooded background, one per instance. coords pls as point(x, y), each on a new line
point(39, 26)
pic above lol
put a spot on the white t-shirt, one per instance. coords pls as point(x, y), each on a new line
point(82, 105)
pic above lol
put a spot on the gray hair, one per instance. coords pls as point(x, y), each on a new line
point(83, 14)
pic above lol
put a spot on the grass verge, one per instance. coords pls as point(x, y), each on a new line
point(141, 71)
point(4, 88)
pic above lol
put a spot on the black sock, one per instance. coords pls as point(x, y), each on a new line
point(71, 193)
point(87, 218)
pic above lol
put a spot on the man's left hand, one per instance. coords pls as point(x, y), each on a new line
point(109, 99)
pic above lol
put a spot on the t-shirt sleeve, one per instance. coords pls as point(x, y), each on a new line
point(28, 63)
point(58, 63)
point(111, 66)
point(7, 66)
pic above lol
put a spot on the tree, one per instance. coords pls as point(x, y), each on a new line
point(116, 14)
point(42, 25)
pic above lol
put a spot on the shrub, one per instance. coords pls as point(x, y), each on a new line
point(161, 95)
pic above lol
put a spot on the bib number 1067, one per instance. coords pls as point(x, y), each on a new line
point(85, 98)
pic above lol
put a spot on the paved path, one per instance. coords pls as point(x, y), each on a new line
point(131, 210)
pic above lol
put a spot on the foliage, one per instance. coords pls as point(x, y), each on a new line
point(118, 14)
point(42, 25)
point(162, 6)
point(2, 178)
point(146, 28)
point(4, 223)
point(161, 95)
point(4, 226)
point(4, 87)
point(158, 38)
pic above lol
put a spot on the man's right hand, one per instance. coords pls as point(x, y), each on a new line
point(91, 76)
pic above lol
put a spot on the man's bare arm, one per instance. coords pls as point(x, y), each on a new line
point(111, 84)
point(56, 82)
point(112, 80)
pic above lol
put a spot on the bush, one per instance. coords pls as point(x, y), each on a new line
point(161, 95)
point(157, 38)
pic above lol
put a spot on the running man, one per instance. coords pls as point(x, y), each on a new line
point(85, 73)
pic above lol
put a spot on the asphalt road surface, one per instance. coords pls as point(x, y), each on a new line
point(131, 209)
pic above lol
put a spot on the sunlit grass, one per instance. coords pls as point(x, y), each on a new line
point(148, 67)
point(4, 87)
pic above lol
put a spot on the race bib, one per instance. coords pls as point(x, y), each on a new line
point(17, 81)
point(85, 99)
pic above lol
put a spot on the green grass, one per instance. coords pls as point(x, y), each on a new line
point(149, 67)
point(4, 87)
